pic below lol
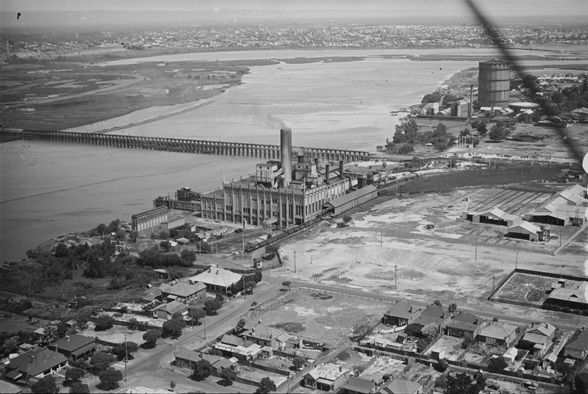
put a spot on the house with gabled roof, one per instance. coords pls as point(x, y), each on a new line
point(326, 377)
point(401, 313)
point(465, 325)
point(166, 311)
point(188, 358)
point(570, 297)
point(538, 338)
point(434, 314)
point(183, 292)
point(74, 346)
point(358, 385)
point(401, 386)
point(498, 333)
point(577, 346)
point(217, 279)
point(35, 363)
point(266, 336)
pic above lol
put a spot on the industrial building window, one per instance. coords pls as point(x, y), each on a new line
point(229, 207)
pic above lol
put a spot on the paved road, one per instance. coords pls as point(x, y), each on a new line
point(156, 364)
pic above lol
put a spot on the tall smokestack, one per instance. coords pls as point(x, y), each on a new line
point(286, 154)
point(341, 168)
point(327, 173)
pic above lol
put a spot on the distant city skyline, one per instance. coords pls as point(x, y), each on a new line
point(91, 12)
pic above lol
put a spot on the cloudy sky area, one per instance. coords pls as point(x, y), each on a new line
point(80, 12)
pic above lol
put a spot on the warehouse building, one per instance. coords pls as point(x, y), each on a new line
point(567, 208)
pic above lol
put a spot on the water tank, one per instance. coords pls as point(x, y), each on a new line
point(493, 83)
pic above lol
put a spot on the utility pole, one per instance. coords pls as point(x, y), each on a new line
point(476, 252)
point(381, 238)
point(294, 261)
point(517, 259)
point(126, 356)
point(396, 277)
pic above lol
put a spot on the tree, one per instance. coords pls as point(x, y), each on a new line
point(298, 362)
point(202, 370)
point(211, 306)
point(346, 219)
point(104, 322)
point(45, 385)
point(100, 361)
point(101, 229)
point(73, 375)
point(165, 245)
point(287, 284)
point(462, 383)
point(151, 338)
point(581, 383)
point(188, 256)
point(227, 377)
point(496, 364)
point(196, 313)
point(266, 385)
point(79, 388)
point(61, 250)
point(109, 379)
point(173, 327)
point(125, 350)
point(499, 132)
point(240, 326)
point(442, 366)
point(172, 385)
point(452, 308)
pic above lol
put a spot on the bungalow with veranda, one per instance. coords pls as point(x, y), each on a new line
point(538, 338)
point(35, 363)
point(465, 325)
point(401, 313)
point(326, 377)
point(577, 346)
point(498, 333)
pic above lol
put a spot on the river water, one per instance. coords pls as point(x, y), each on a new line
point(52, 189)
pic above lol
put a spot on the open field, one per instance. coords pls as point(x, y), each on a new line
point(328, 319)
point(387, 250)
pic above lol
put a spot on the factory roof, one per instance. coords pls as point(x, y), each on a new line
point(526, 226)
point(344, 199)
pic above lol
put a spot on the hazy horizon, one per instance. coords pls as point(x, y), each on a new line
point(110, 13)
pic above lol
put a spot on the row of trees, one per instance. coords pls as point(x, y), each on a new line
point(407, 134)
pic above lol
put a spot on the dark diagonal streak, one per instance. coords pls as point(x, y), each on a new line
point(573, 148)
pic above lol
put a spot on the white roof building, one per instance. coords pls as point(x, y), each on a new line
point(216, 278)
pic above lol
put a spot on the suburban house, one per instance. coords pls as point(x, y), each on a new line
point(498, 333)
point(464, 325)
point(217, 279)
point(434, 314)
point(35, 363)
point(266, 336)
point(401, 313)
point(183, 292)
point(357, 385)
point(188, 359)
point(166, 311)
point(577, 346)
point(400, 386)
point(9, 388)
point(568, 297)
point(233, 346)
point(539, 338)
point(75, 346)
point(326, 377)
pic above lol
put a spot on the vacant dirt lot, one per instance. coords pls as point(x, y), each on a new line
point(387, 249)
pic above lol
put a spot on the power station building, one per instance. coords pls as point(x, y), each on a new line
point(493, 83)
point(281, 193)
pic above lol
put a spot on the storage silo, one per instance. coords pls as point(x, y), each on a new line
point(493, 83)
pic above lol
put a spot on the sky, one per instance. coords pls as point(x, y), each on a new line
point(36, 12)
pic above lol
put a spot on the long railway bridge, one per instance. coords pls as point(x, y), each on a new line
point(186, 145)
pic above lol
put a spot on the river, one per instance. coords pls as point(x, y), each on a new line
point(52, 189)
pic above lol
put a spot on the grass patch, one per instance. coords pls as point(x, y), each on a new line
point(290, 327)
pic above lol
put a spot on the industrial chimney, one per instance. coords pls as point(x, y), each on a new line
point(327, 173)
point(286, 154)
point(341, 168)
